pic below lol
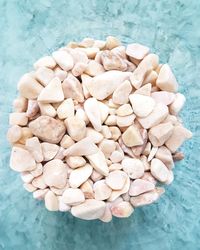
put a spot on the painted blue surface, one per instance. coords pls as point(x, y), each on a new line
point(30, 29)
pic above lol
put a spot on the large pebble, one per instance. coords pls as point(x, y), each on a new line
point(91, 209)
point(116, 193)
point(140, 186)
point(73, 196)
point(21, 160)
point(159, 170)
point(116, 179)
point(76, 128)
point(80, 175)
point(47, 129)
point(101, 190)
point(122, 209)
point(55, 173)
point(121, 93)
point(63, 59)
point(20, 119)
point(133, 167)
point(34, 147)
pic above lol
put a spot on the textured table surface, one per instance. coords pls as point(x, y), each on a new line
point(30, 29)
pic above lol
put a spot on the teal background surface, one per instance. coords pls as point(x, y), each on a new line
point(31, 29)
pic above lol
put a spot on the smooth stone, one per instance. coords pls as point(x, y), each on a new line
point(44, 75)
point(66, 141)
point(107, 216)
point(104, 111)
point(94, 68)
point(75, 161)
point(140, 186)
point(116, 179)
point(116, 193)
point(117, 156)
point(76, 128)
point(73, 196)
point(51, 201)
point(137, 51)
point(115, 133)
point(101, 190)
point(38, 171)
point(177, 104)
point(91, 209)
point(159, 170)
point(112, 42)
point(125, 121)
point(112, 61)
point(32, 109)
point(132, 137)
point(66, 109)
point(122, 209)
point(133, 167)
point(63, 59)
point(40, 193)
point(124, 110)
point(34, 147)
point(87, 188)
point(46, 61)
point(38, 182)
point(96, 137)
point(27, 177)
point(49, 150)
point(164, 154)
point(20, 119)
point(107, 147)
point(122, 92)
point(144, 90)
point(29, 187)
point(47, 109)
point(14, 133)
point(164, 97)
point(20, 104)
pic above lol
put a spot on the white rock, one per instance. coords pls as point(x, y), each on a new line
point(61, 74)
point(121, 93)
point(122, 209)
point(166, 79)
point(80, 114)
point(20, 104)
point(124, 110)
point(107, 216)
point(116, 179)
point(63, 59)
point(125, 121)
point(91, 209)
point(144, 90)
point(90, 52)
point(112, 61)
point(95, 136)
point(66, 141)
point(38, 171)
point(105, 84)
point(14, 133)
point(40, 193)
point(75, 161)
point(107, 147)
point(51, 201)
point(29, 187)
point(159, 170)
point(115, 133)
point(104, 110)
point(133, 167)
point(44, 75)
point(98, 161)
point(101, 190)
point(115, 166)
point(49, 150)
point(112, 42)
point(76, 128)
point(164, 97)
point(38, 182)
point(94, 68)
point(137, 51)
point(106, 132)
point(80, 175)
point(55, 173)
point(111, 120)
point(52, 93)
point(47, 109)
point(96, 176)
point(81, 148)
point(158, 114)
point(164, 154)
point(46, 61)
point(26, 177)
point(140, 186)
point(79, 68)
point(93, 112)
point(117, 156)
point(177, 104)
point(142, 105)
point(21, 160)
point(87, 188)
point(152, 153)
point(73, 196)
point(66, 109)
point(132, 137)
point(20, 119)
point(34, 147)
point(62, 206)
point(116, 193)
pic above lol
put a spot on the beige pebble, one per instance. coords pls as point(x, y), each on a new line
point(38, 171)
point(96, 176)
point(40, 193)
point(121, 93)
point(165, 156)
point(72, 88)
point(80, 114)
point(20, 119)
point(142, 105)
point(38, 182)
point(111, 104)
point(73, 196)
point(75, 161)
point(116, 193)
point(93, 113)
point(115, 132)
point(115, 166)
point(177, 104)
point(94, 68)
point(26, 133)
point(158, 114)
point(66, 109)
point(76, 128)
point(46, 61)
point(137, 51)
point(90, 52)
point(49, 150)
point(32, 109)
point(96, 137)
point(20, 104)
point(79, 56)
point(44, 75)
point(87, 42)
point(104, 110)
point(112, 42)
point(107, 216)
point(124, 110)
point(47, 129)
point(80, 175)
point(29, 187)
point(61, 74)
point(140, 186)
point(179, 135)
point(66, 141)
point(27, 177)
point(133, 167)
point(105, 84)
point(122, 209)
point(116, 179)
point(147, 198)
point(47, 109)
point(87, 188)
point(148, 63)
point(170, 178)
point(28, 87)
point(99, 44)
point(120, 51)
point(117, 156)
point(81, 148)
point(125, 121)
point(159, 170)
point(63, 59)
point(138, 150)
point(79, 68)
point(106, 131)
point(132, 137)
point(51, 201)
point(164, 97)
point(59, 191)
point(160, 133)
point(112, 61)
point(91, 209)
point(166, 79)
point(111, 120)
point(14, 133)
point(107, 147)
point(62, 206)
point(16, 163)
point(152, 153)
point(55, 173)
point(144, 90)
point(149, 177)
point(145, 162)
point(34, 147)
point(101, 190)
point(52, 93)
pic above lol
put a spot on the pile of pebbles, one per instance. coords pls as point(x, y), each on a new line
point(96, 127)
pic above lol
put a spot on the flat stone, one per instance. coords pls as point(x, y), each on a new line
point(34, 147)
point(51, 201)
point(140, 186)
point(66, 109)
point(101, 190)
point(116, 179)
point(133, 167)
point(159, 170)
point(76, 128)
point(121, 93)
point(73, 196)
point(137, 51)
point(63, 59)
point(46, 61)
point(75, 161)
point(125, 121)
point(49, 150)
point(144, 90)
point(132, 137)
point(124, 110)
point(122, 209)
point(14, 133)
point(20, 119)
point(164, 97)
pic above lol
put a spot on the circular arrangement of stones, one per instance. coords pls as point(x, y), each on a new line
point(95, 127)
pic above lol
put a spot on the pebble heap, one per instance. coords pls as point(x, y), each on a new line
point(96, 127)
